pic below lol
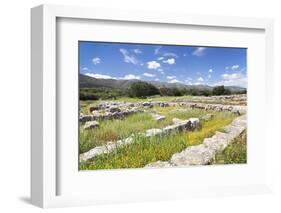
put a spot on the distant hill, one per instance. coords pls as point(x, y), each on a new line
point(90, 82)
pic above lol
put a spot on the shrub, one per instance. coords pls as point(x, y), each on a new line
point(142, 90)
point(220, 90)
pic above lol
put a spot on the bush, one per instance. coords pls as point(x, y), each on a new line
point(99, 93)
point(164, 91)
point(220, 90)
point(142, 90)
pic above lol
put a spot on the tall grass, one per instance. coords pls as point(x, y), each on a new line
point(145, 150)
point(113, 130)
point(235, 153)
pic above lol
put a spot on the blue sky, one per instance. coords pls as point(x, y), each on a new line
point(191, 65)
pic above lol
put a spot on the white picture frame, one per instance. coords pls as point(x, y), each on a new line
point(44, 153)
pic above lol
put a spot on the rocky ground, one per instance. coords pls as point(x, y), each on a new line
point(194, 155)
point(204, 153)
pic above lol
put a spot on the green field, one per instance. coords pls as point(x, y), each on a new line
point(145, 150)
point(113, 130)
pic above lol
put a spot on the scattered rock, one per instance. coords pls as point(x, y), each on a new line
point(125, 141)
point(163, 104)
point(195, 123)
point(179, 125)
point(153, 132)
point(92, 108)
point(91, 125)
point(158, 117)
point(194, 155)
point(109, 147)
point(85, 118)
point(114, 109)
point(147, 104)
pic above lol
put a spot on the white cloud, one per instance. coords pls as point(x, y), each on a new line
point(127, 57)
point(96, 60)
point(137, 51)
point(160, 58)
point(185, 54)
point(200, 79)
point(170, 61)
point(234, 79)
point(148, 74)
point(153, 65)
point(156, 79)
point(210, 70)
point(189, 83)
point(167, 54)
point(173, 81)
point(235, 67)
point(233, 76)
point(199, 51)
point(97, 75)
point(85, 68)
point(171, 77)
point(131, 76)
point(209, 76)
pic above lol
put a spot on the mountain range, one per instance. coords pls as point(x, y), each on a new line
point(91, 82)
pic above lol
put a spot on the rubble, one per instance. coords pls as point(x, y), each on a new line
point(91, 125)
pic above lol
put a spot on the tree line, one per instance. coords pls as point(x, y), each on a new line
point(145, 89)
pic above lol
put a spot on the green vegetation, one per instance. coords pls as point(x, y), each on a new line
point(113, 130)
point(146, 150)
point(100, 93)
point(144, 89)
point(164, 91)
point(220, 90)
point(235, 153)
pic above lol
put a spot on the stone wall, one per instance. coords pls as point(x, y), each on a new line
point(179, 125)
point(203, 154)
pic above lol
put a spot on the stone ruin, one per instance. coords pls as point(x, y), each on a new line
point(203, 154)
point(178, 125)
point(110, 110)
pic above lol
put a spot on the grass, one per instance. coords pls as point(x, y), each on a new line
point(235, 153)
point(146, 150)
point(113, 130)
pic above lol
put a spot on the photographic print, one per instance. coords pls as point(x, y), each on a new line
point(156, 106)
